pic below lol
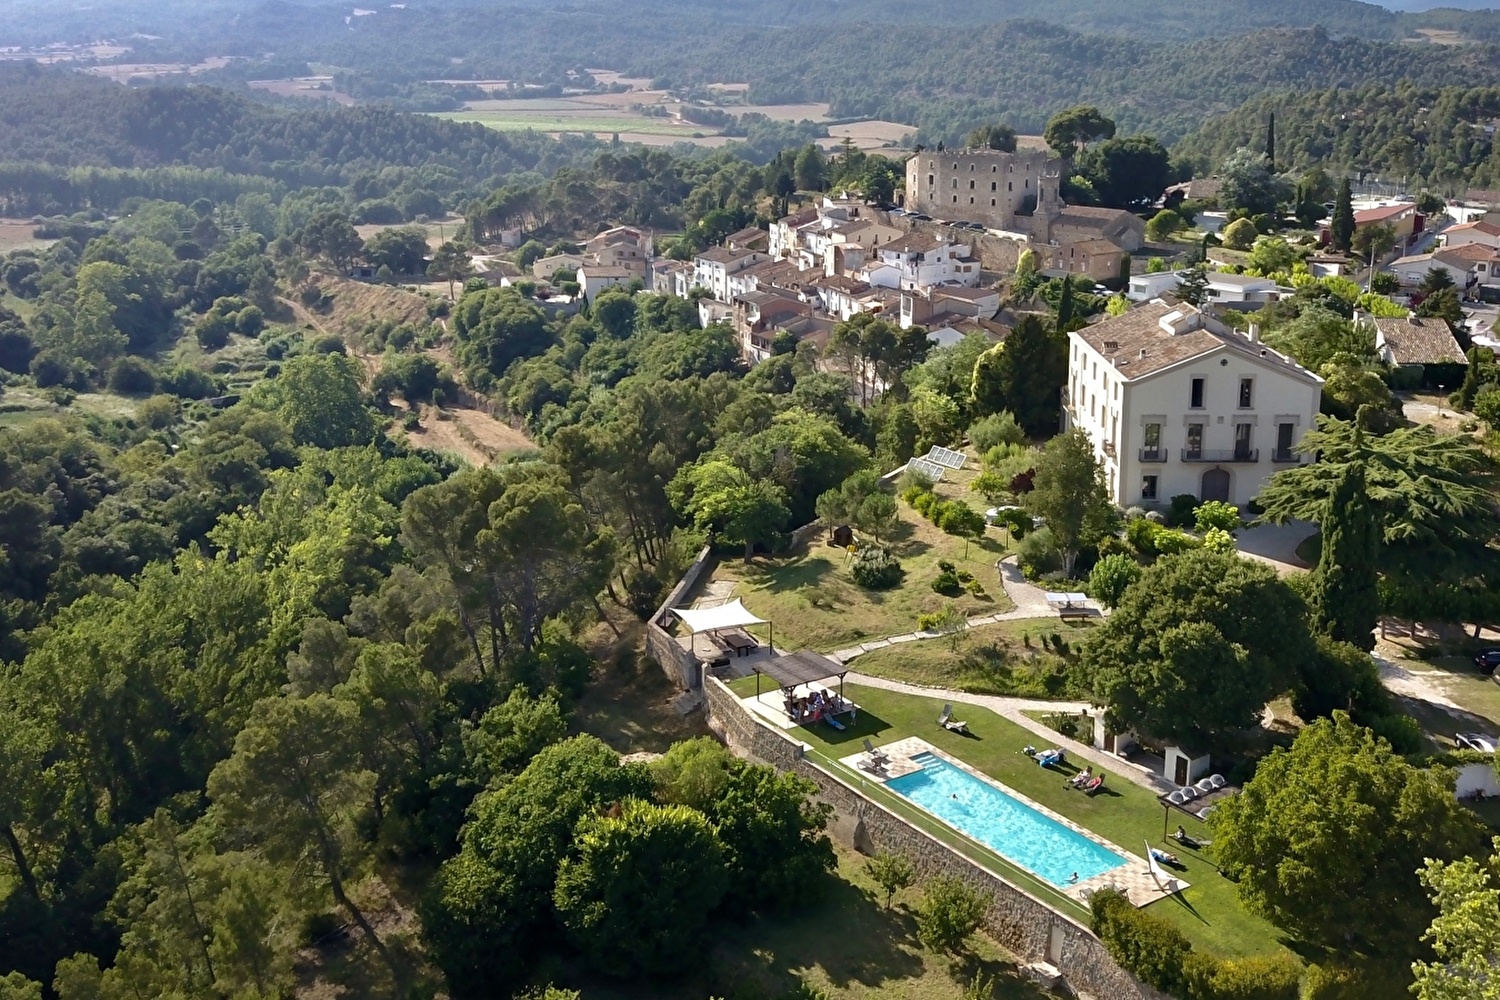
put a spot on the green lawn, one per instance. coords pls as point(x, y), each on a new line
point(1208, 912)
point(812, 602)
point(841, 940)
point(1007, 658)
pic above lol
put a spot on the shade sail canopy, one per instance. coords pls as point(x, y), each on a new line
point(802, 667)
point(711, 619)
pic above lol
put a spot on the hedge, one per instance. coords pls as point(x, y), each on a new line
point(1159, 955)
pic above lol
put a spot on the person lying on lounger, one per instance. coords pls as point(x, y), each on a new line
point(1091, 787)
point(1082, 777)
point(1165, 857)
point(1188, 841)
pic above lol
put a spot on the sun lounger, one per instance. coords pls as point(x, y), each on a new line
point(1047, 758)
point(947, 721)
point(875, 756)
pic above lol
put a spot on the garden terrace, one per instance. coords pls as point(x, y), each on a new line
point(810, 595)
point(1208, 913)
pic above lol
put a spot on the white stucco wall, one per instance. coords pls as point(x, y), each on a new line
point(1112, 410)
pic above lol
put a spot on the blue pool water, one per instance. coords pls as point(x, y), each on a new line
point(1011, 828)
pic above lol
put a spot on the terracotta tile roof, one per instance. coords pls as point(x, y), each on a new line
point(745, 237)
point(842, 283)
point(1415, 341)
point(914, 243)
point(1092, 216)
point(1092, 246)
point(723, 255)
point(1488, 228)
point(601, 271)
point(1466, 255)
point(1384, 212)
point(1137, 345)
point(966, 294)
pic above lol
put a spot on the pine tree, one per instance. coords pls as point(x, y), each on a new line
point(1344, 598)
point(1192, 287)
point(1342, 229)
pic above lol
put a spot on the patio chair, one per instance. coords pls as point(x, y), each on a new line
point(878, 757)
point(947, 721)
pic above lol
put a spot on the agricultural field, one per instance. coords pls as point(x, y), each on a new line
point(16, 234)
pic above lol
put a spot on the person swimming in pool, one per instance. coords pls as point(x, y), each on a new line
point(1073, 878)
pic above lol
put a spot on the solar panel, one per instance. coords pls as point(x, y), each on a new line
point(931, 470)
point(946, 457)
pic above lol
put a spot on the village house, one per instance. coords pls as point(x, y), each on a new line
point(930, 306)
point(1481, 232)
point(1469, 265)
point(672, 277)
point(1240, 291)
point(595, 278)
point(1144, 287)
point(1175, 402)
point(920, 260)
point(712, 268)
point(544, 267)
point(1418, 344)
point(1078, 223)
point(757, 318)
point(1097, 259)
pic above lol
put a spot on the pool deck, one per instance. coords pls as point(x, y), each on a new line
point(1133, 878)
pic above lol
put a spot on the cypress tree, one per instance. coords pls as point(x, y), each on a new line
point(1271, 143)
point(1344, 597)
point(1065, 306)
point(1342, 229)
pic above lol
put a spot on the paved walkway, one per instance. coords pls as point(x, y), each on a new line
point(1030, 602)
point(1014, 709)
point(1276, 544)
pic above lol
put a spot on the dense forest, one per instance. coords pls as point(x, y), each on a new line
point(1441, 138)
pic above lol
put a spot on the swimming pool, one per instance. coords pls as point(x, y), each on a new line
point(1010, 827)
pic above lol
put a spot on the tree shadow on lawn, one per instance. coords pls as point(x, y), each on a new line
point(867, 725)
point(837, 927)
point(806, 572)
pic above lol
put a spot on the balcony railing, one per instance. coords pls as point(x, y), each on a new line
point(1153, 454)
point(1109, 448)
point(1221, 455)
point(1285, 455)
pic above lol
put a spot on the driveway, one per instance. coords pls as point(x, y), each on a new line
point(1276, 544)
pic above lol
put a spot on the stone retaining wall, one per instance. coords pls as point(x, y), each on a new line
point(1021, 922)
point(680, 665)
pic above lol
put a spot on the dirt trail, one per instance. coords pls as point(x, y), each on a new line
point(469, 432)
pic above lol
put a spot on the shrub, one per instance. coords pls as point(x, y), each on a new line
point(1134, 513)
point(1487, 406)
point(964, 576)
point(1147, 947)
point(132, 377)
point(876, 569)
point(1016, 519)
point(1171, 543)
point(212, 332)
point(924, 503)
point(1240, 234)
point(188, 383)
point(1038, 554)
point(911, 493)
point(951, 912)
point(329, 343)
point(995, 429)
point(946, 566)
point(1181, 511)
point(975, 587)
point(1216, 514)
point(1257, 977)
point(1332, 982)
point(1401, 731)
point(250, 320)
point(947, 584)
point(910, 478)
point(1111, 575)
point(643, 593)
point(412, 421)
point(158, 412)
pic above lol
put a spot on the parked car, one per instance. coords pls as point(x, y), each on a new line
point(920, 217)
point(1475, 741)
point(1487, 660)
